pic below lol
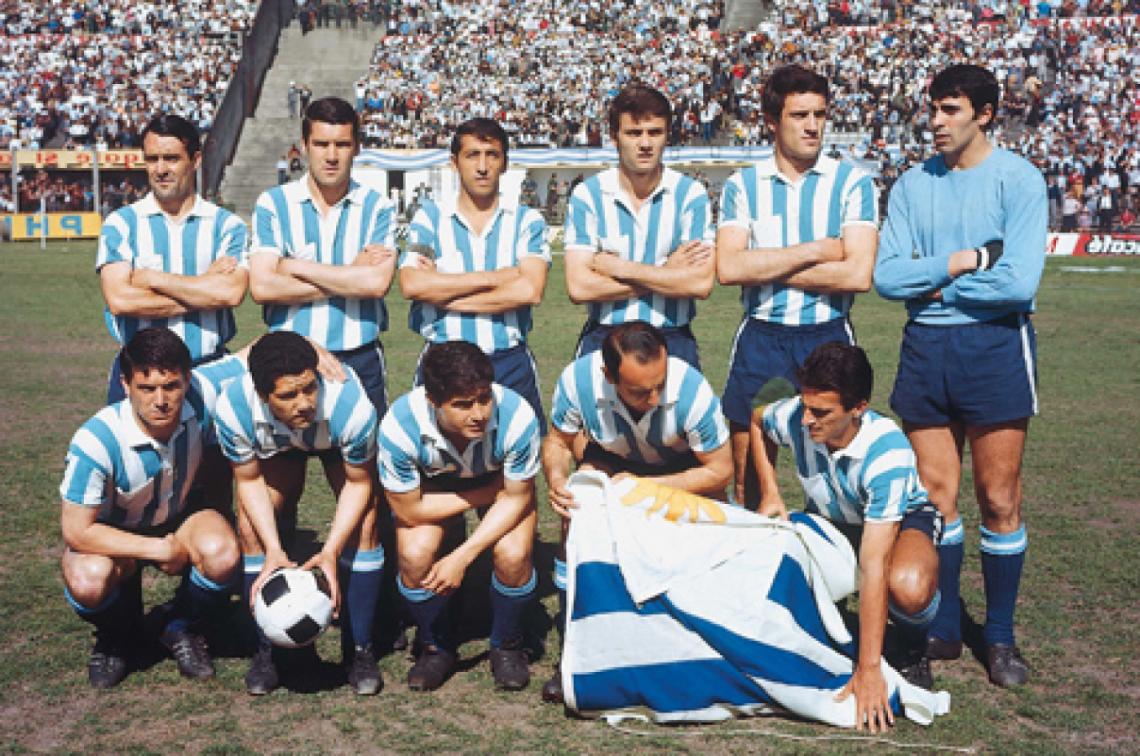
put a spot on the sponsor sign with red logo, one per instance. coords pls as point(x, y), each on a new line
point(1092, 245)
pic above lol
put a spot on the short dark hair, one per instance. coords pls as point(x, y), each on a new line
point(332, 110)
point(639, 101)
point(637, 338)
point(455, 368)
point(789, 80)
point(975, 83)
point(278, 354)
point(154, 348)
point(842, 368)
point(175, 126)
point(483, 129)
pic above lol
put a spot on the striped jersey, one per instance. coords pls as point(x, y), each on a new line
point(873, 478)
point(515, 232)
point(781, 213)
point(411, 445)
point(599, 218)
point(143, 236)
point(135, 481)
point(687, 419)
point(345, 420)
point(286, 222)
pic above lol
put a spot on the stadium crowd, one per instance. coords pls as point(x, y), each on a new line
point(78, 73)
point(1070, 104)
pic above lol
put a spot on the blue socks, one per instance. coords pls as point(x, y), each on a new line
point(196, 598)
point(507, 606)
point(360, 574)
point(119, 613)
point(1003, 555)
point(429, 612)
point(947, 623)
point(251, 565)
point(560, 582)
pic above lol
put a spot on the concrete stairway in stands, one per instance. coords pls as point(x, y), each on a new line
point(328, 61)
point(746, 14)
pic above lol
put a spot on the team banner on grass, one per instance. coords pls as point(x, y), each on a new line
point(32, 226)
point(1092, 245)
point(696, 611)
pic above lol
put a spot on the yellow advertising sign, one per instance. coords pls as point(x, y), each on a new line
point(75, 160)
point(30, 226)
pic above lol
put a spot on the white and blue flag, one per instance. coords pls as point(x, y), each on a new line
point(699, 611)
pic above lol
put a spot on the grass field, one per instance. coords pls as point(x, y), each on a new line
point(1079, 619)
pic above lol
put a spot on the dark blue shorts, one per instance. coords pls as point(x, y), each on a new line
point(115, 392)
point(977, 374)
point(679, 342)
point(515, 369)
point(925, 520)
point(368, 363)
point(763, 352)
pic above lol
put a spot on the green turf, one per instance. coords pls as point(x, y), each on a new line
point(1078, 617)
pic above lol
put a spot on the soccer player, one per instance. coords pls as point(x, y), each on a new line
point(461, 442)
point(268, 422)
point(477, 263)
point(632, 408)
point(858, 470)
point(635, 233)
point(172, 259)
point(323, 249)
point(132, 496)
point(964, 246)
point(798, 232)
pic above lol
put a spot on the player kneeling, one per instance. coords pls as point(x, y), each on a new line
point(462, 442)
point(858, 470)
point(133, 496)
point(268, 422)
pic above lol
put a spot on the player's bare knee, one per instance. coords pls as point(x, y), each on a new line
point(218, 556)
point(89, 580)
point(512, 562)
point(912, 589)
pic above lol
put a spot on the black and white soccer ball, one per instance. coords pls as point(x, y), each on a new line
point(293, 607)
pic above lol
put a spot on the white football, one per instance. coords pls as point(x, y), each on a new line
point(293, 607)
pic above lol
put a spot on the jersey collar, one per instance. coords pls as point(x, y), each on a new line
point(610, 184)
point(148, 206)
point(825, 165)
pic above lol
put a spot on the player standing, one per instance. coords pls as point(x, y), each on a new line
point(798, 232)
point(635, 233)
point(172, 259)
point(323, 249)
point(477, 263)
point(964, 246)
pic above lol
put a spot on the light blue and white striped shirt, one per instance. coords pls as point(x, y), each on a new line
point(687, 419)
point(411, 443)
point(135, 481)
point(143, 236)
point(873, 478)
point(600, 218)
point(287, 223)
point(781, 213)
point(514, 233)
point(345, 420)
